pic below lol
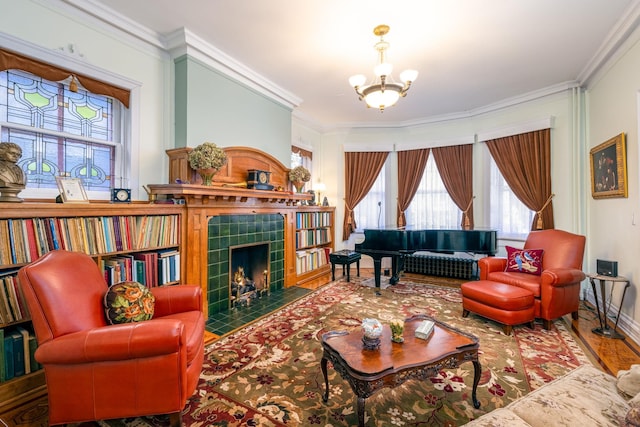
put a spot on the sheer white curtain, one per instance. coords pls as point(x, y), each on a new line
point(508, 215)
point(370, 211)
point(432, 207)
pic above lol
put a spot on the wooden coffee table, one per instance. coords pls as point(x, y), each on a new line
point(367, 371)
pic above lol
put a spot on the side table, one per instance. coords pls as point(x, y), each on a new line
point(345, 258)
point(604, 328)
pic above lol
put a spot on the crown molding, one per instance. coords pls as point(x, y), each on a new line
point(95, 14)
point(506, 103)
point(619, 40)
point(184, 42)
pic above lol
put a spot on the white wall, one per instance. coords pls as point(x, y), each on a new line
point(613, 108)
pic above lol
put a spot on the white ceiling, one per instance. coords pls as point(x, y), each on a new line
point(471, 54)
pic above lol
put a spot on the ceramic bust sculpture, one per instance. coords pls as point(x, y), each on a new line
point(12, 179)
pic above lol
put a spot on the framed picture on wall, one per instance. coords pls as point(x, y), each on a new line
point(609, 168)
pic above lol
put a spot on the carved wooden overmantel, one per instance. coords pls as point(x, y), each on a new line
point(239, 161)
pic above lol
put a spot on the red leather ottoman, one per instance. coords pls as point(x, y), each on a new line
point(506, 304)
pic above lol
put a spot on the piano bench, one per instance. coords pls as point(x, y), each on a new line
point(345, 258)
point(506, 304)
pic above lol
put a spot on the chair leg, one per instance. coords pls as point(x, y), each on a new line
point(546, 324)
point(531, 325)
point(175, 419)
point(465, 312)
point(574, 315)
point(507, 329)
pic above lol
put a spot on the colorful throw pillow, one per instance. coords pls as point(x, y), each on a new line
point(127, 302)
point(524, 260)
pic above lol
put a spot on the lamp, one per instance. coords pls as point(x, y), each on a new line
point(319, 187)
point(384, 91)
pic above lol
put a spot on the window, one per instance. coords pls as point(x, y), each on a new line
point(432, 207)
point(370, 211)
point(300, 157)
point(61, 132)
point(508, 215)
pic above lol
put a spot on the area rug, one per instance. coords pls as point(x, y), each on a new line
point(268, 374)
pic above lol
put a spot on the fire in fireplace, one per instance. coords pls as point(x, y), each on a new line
point(249, 274)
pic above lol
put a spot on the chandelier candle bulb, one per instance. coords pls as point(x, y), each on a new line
point(383, 92)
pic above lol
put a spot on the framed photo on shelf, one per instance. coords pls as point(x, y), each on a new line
point(71, 190)
point(609, 169)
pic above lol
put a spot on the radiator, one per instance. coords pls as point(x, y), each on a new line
point(444, 265)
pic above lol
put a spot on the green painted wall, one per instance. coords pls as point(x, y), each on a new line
point(213, 107)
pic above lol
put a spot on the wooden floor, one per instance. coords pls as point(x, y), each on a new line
point(611, 355)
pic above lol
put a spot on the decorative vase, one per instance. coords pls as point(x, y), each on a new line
point(299, 186)
point(207, 175)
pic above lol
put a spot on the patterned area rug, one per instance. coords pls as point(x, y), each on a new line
point(268, 374)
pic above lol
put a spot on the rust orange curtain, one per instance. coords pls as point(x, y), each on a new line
point(525, 163)
point(411, 164)
point(455, 164)
point(14, 61)
point(361, 171)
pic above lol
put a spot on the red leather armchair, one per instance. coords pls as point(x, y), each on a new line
point(97, 371)
point(557, 289)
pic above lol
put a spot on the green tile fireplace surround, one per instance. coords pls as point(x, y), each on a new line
point(228, 231)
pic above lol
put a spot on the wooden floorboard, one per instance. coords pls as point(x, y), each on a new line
point(611, 354)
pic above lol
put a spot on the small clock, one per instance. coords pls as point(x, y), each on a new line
point(120, 195)
point(259, 179)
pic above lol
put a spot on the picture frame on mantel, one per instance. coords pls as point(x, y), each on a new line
point(609, 168)
point(71, 190)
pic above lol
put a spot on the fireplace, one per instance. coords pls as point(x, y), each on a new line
point(249, 274)
point(244, 234)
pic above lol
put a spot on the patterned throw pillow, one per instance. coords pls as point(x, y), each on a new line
point(524, 260)
point(127, 302)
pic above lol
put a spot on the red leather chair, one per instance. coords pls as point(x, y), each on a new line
point(97, 371)
point(557, 289)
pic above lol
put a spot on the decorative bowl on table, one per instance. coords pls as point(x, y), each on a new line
point(372, 329)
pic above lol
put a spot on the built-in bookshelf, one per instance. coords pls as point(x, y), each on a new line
point(314, 230)
point(137, 242)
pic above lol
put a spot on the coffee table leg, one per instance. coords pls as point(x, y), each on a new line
point(477, 371)
point(323, 365)
point(360, 411)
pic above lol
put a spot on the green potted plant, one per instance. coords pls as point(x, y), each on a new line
point(207, 158)
point(298, 176)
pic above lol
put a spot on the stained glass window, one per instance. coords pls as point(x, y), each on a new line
point(61, 132)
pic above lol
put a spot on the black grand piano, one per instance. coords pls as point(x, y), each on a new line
point(399, 242)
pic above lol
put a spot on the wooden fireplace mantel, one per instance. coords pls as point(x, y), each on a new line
point(201, 194)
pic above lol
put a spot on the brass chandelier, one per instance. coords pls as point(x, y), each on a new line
point(383, 92)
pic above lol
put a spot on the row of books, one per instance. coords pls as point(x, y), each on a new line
point(29, 238)
point(313, 219)
point(17, 348)
point(311, 259)
point(155, 268)
point(12, 305)
point(306, 238)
